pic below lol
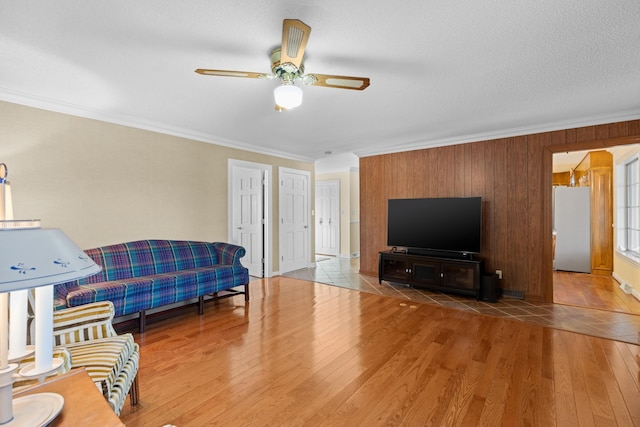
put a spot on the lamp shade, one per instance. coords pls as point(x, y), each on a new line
point(288, 96)
point(33, 257)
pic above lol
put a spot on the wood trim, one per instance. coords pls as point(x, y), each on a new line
point(601, 186)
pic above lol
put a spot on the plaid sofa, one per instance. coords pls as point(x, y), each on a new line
point(145, 274)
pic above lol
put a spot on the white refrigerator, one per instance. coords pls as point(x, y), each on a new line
point(572, 228)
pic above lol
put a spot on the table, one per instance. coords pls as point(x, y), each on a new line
point(83, 403)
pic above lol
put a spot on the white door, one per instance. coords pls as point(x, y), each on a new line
point(294, 219)
point(247, 217)
point(327, 217)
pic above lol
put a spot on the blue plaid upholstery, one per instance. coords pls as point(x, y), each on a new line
point(145, 274)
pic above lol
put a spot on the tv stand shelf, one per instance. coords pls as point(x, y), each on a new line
point(456, 275)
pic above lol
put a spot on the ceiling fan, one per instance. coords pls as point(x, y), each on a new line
point(287, 64)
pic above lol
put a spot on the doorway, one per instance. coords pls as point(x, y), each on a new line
point(327, 217)
point(590, 289)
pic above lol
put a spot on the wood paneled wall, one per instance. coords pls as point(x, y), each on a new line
point(514, 178)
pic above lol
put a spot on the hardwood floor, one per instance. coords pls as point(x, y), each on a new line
point(303, 353)
point(588, 290)
point(570, 316)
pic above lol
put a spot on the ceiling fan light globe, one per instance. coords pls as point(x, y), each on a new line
point(288, 96)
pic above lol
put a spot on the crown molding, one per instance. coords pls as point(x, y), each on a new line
point(48, 104)
point(507, 133)
point(137, 123)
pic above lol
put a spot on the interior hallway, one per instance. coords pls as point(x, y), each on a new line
point(607, 321)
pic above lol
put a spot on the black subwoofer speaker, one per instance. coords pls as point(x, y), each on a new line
point(489, 288)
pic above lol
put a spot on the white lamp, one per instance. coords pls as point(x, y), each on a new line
point(31, 258)
point(288, 96)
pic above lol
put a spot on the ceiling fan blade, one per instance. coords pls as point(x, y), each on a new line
point(340, 82)
point(295, 35)
point(231, 73)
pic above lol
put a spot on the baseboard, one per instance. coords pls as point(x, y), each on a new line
point(627, 288)
point(349, 256)
point(344, 256)
point(617, 279)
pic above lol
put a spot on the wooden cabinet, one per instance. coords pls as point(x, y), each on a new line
point(596, 172)
point(562, 178)
point(394, 268)
point(460, 276)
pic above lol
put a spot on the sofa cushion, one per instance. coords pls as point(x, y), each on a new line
point(221, 277)
point(111, 291)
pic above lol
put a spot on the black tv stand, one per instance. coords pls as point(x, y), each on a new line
point(440, 273)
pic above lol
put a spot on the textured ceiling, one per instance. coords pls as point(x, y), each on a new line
point(441, 71)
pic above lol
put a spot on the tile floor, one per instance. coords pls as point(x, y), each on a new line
point(600, 323)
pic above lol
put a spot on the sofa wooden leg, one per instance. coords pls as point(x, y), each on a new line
point(134, 393)
point(142, 321)
point(201, 305)
point(246, 292)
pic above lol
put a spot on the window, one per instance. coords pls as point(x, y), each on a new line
point(628, 206)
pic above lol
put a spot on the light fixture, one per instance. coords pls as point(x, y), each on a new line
point(288, 95)
point(32, 257)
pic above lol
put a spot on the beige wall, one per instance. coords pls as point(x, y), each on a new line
point(624, 269)
point(103, 183)
point(349, 209)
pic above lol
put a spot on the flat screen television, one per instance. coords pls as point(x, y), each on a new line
point(423, 226)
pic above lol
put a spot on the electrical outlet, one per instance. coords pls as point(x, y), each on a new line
point(499, 274)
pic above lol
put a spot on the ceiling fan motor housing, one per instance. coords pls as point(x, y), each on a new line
point(287, 72)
